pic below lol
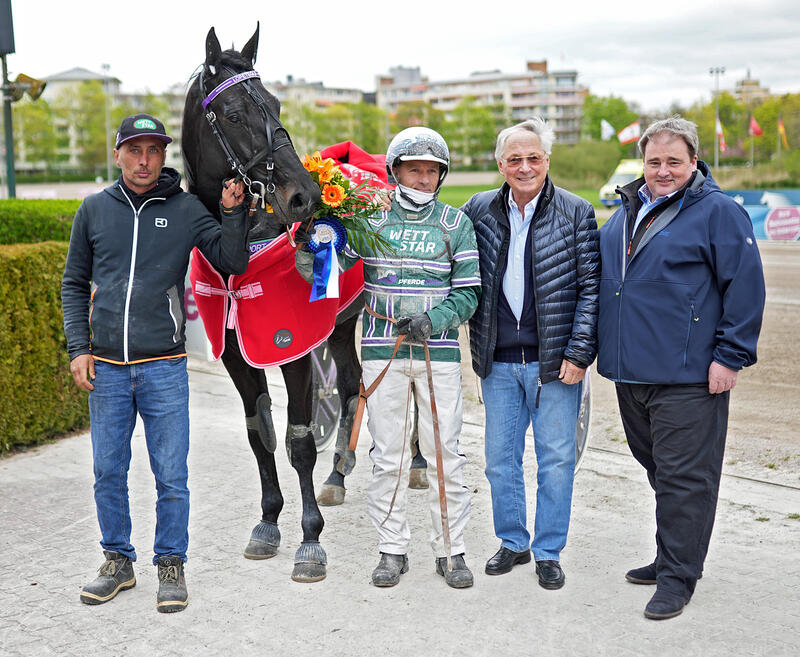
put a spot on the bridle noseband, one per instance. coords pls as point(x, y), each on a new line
point(272, 124)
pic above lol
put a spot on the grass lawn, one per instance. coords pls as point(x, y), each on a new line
point(457, 195)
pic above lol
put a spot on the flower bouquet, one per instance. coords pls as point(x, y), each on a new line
point(348, 204)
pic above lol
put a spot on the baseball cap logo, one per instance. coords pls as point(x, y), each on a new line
point(144, 124)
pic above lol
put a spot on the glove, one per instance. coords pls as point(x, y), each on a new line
point(418, 327)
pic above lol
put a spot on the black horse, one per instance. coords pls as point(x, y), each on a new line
point(231, 126)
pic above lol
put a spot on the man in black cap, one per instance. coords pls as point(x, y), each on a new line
point(123, 301)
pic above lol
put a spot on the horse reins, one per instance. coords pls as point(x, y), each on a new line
point(363, 393)
point(266, 154)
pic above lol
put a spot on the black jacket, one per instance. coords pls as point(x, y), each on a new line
point(123, 287)
point(565, 277)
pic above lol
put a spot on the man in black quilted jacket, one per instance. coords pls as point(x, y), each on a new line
point(532, 338)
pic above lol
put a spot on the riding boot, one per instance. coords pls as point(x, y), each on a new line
point(389, 569)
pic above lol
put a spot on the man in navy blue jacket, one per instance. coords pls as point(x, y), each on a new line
point(681, 301)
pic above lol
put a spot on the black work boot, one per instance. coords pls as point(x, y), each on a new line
point(389, 569)
point(172, 593)
point(116, 575)
point(460, 577)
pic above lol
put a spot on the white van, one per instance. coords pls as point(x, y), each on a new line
point(626, 171)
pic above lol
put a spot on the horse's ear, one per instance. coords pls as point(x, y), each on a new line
point(251, 47)
point(213, 51)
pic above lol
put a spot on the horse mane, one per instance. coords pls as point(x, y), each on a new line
point(235, 60)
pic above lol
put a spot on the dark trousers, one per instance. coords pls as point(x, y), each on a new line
point(677, 432)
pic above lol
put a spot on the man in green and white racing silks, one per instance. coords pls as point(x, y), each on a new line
point(428, 285)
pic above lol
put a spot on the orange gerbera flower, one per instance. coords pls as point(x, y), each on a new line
point(332, 195)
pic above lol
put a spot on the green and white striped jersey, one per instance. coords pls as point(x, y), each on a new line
point(433, 269)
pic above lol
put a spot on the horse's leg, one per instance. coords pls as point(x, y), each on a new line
point(252, 386)
point(348, 375)
point(310, 559)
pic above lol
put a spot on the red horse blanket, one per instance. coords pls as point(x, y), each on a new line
point(268, 305)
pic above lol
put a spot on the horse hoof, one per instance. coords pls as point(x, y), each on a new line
point(331, 495)
point(264, 541)
point(310, 562)
point(418, 478)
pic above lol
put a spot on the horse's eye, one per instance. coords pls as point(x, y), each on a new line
point(233, 117)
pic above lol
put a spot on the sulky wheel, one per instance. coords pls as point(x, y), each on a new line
point(584, 414)
point(326, 406)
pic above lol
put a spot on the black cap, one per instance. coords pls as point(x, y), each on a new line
point(141, 125)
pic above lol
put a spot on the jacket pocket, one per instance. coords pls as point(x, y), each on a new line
point(692, 319)
point(175, 313)
point(91, 307)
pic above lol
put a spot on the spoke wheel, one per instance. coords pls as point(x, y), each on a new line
point(326, 405)
point(582, 430)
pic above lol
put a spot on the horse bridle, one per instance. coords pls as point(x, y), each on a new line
point(266, 154)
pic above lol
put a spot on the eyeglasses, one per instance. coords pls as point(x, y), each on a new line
point(531, 160)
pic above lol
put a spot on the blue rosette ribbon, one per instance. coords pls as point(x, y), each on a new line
point(329, 237)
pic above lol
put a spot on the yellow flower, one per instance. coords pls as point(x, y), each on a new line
point(332, 195)
point(326, 168)
point(327, 172)
point(312, 162)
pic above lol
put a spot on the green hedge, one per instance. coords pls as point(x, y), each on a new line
point(39, 399)
point(26, 221)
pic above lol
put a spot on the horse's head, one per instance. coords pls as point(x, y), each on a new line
point(231, 127)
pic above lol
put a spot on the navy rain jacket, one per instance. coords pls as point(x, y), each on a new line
point(691, 292)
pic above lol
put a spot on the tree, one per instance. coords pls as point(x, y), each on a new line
point(734, 118)
point(81, 109)
point(417, 113)
point(34, 132)
point(470, 133)
point(613, 109)
point(300, 120)
point(371, 127)
point(333, 124)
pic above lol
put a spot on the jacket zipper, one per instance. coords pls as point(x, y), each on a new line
point(132, 271)
point(536, 306)
point(692, 318)
point(626, 210)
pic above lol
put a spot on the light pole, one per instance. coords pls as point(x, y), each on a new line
point(715, 72)
point(106, 79)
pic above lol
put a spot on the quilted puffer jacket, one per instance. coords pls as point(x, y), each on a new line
point(566, 277)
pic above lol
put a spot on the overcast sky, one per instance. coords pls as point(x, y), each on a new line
point(651, 53)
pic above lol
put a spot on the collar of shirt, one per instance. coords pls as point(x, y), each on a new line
point(514, 278)
point(515, 216)
point(648, 203)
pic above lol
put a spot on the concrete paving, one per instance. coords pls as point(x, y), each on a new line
point(748, 602)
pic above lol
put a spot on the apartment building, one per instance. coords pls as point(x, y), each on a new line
point(537, 91)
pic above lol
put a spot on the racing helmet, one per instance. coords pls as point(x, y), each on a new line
point(418, 143)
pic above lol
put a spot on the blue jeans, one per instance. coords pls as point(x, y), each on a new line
point(509, 394)
point(159, 391)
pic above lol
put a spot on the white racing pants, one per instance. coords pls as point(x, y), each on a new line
point(387, 413)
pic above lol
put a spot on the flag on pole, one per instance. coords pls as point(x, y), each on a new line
point(629, 133)
point(721, 135)
point(782, 132)
point(606, 130)
point(755, 129)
